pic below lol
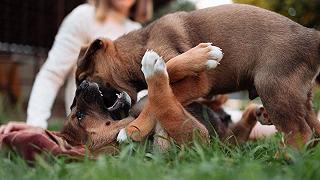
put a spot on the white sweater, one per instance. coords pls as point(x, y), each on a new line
point(79, 28)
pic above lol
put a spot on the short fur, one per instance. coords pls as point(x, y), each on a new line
point(265, 53)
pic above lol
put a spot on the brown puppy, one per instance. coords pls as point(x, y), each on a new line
point(176, 121)
point(265, 53)
point(96, 122)
point(98, 112)
point(91, 123)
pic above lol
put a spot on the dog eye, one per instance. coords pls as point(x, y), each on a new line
point(79, 115)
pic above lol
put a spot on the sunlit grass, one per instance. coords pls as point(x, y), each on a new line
point(263, 159)
point(252, 160)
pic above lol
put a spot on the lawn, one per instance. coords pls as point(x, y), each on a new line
point(252, 160)
point(263, 159)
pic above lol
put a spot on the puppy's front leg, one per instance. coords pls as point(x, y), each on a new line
point(198, 59)
point(188, 71)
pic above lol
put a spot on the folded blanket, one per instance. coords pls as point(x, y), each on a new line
point(31, 142)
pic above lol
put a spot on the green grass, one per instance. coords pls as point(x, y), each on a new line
point(252, 160)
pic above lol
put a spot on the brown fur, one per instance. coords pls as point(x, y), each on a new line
point(263, 51)
point(98, 130)
point(177, 122)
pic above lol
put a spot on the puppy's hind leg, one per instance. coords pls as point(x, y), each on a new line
point(285, 104)
point(311, 116)
point(198, 59)
point(162, 104)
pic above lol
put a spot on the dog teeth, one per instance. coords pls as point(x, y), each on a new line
point(100, 93)
point(99, 89)
point(127, 98)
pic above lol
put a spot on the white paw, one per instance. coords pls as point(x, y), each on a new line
point(211, 64)
point(122, 136)
point(152, 63)
point(215, 53)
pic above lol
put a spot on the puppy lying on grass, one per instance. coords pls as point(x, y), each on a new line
point(95, 123)
point(98, 123)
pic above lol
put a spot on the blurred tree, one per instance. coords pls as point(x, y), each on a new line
point(171, 6)
point(305, 12)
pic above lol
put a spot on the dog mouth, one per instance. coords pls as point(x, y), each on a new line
point(111, 101)
point(120, 108)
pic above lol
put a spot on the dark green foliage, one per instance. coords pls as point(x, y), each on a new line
point(305, 12)
point(174, 6)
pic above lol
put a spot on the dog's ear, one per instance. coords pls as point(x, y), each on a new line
point(86, 55)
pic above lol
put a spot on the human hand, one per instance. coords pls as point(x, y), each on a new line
point(13, 126)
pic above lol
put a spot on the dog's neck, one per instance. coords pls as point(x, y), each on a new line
point(131, 48)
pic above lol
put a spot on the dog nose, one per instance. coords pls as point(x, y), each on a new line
point(84, 85)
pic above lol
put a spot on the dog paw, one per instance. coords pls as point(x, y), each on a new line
point(152, 63)
point(262, 116)
point(122, 136)
point(211, 64)
point(215, 53)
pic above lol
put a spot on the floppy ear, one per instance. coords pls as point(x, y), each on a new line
point(87, 53)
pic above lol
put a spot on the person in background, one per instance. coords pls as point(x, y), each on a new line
point(96, 18)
